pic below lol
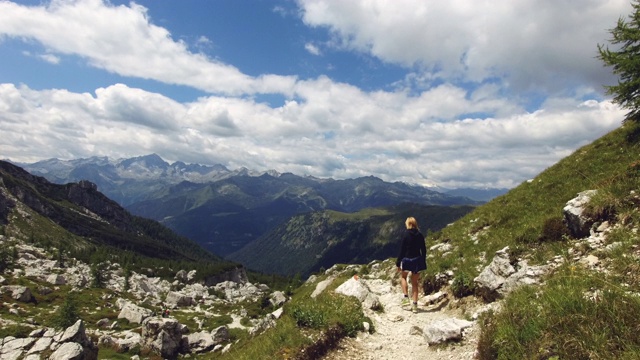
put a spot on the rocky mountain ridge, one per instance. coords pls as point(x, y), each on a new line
point(79, 210)
point(152, 170)
point(211, 204)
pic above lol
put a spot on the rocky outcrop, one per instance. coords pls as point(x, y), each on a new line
point(501, 277)
point(175, 299)
point(71, 343)
point(133, 313)
point(237, 275)
point(18, 292)
point(240, 291)
point(579, 225)
point(163, 335)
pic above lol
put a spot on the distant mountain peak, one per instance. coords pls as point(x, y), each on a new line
point(149, 161)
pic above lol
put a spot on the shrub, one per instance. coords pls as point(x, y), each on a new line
point(462, 285)
point(554, 229)
point(433, 283)
point(67, 313)
point(486, 350)
point(309, 314)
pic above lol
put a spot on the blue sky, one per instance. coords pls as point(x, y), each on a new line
point(455, 94)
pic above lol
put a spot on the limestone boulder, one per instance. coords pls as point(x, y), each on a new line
point(442, 331)
point(357, 288)
point(578, 224)
point(134, 313)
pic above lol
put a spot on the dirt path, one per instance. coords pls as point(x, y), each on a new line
point(398, 332)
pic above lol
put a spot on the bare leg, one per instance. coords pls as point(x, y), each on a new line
point(414, 286)
point(403, 282)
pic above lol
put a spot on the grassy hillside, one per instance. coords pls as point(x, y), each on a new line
point(524, 217)
point(561, 318)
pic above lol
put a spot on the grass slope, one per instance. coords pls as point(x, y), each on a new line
point(579, 313)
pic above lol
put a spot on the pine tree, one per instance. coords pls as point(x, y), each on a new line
point(625, 62)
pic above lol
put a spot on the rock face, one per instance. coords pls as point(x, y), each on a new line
point(134, 313)
point(175, 299)
point(19, 293)
point(163, 335)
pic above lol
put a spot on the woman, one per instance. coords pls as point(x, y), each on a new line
point(412, 258)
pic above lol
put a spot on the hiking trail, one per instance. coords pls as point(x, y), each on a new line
point(398, 331)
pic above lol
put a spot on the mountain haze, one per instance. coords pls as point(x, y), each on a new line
point(224, 210)
point(228, 214)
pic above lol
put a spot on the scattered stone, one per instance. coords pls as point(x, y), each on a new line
point(277, 298)
point(501, 277)
point(591, 261)
point(277, 313)
point(18, 292)
point(415, 330)
point(321, 286)
point(445, 330)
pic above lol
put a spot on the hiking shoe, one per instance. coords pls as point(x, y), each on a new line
point(405, 302)
point(414, 308)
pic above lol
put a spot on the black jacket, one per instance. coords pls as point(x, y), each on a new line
point(413, 245)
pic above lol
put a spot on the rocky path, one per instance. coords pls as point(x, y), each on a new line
point(399, 332)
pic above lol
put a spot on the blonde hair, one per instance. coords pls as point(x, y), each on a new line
point(411, 223)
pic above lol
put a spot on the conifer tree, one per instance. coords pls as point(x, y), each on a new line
point(67, 313)
point(625, 60)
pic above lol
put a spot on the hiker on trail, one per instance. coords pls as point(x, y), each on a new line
point(412, 258)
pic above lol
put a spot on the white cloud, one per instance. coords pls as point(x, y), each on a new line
point(391, 135)
point(50, 58)
point(122, 40)
point(437, 132)
point(531, 45)
point(312, 49)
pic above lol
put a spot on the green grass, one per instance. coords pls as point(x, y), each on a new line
point(517, 219)
point(576, 314)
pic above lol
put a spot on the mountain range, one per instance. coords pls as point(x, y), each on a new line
point(224, 210)
point(77, 217)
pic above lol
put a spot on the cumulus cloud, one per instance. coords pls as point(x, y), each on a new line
point(122, 39)
point(391, 135)
point(532, 45)
point(458, 118)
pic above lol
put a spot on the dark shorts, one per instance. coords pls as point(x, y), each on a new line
point(414, 265)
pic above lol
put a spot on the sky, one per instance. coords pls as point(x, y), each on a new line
point(460, 93)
